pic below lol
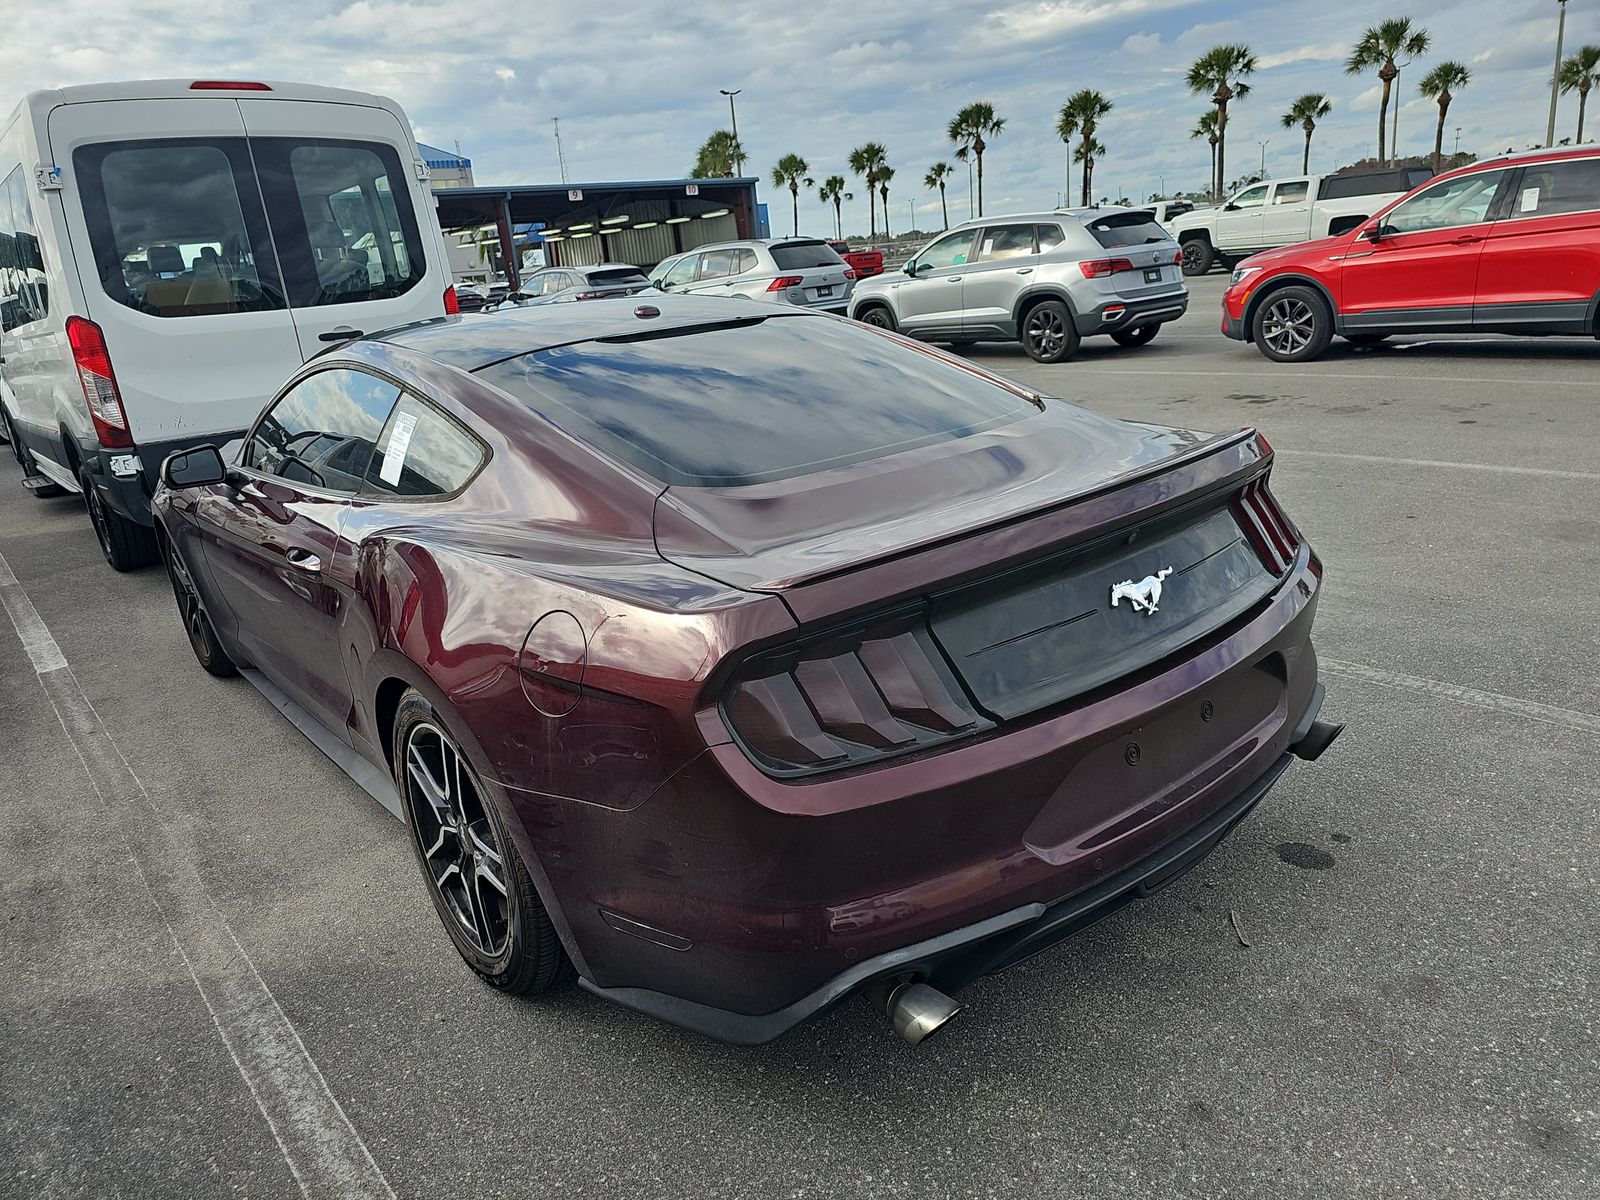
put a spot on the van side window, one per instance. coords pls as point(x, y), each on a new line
point(422, 453)
point(342, 219)
point(322, 431)
point(23, 294)
point(176, 226)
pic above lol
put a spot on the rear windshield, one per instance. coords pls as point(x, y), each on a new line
point(617, 275)
point(754, 399)
point(798, 256)
point(1128, 229)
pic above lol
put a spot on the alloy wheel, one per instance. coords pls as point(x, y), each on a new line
point(877, 317)
point(459, 847)
point(1289, 325)
point(1046, 331)
point(97, 516)
point(188, 598)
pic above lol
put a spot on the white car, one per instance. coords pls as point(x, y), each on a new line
point(176, 249)
point(1281, 212)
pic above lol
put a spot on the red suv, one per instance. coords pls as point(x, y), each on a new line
point(1508, 245)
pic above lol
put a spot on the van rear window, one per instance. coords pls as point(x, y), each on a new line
point(176, 226)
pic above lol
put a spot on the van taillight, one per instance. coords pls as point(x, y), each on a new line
point(99, 384)
point(452, 306)
point(227, 85)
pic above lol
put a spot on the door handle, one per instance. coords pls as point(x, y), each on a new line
point(953, 279)
point(1466, 239)
point(1024, 270)
point(342, 334)
point(302, 560)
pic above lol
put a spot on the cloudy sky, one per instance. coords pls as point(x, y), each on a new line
point(635, 82)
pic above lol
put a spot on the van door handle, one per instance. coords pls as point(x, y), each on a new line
point(342, 334)
point(302, 560)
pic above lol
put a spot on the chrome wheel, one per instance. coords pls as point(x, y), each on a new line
point(460, 852)
point(1289, 325)
point(1046, 332)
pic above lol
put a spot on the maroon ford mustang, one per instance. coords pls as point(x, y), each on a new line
point(735, 657)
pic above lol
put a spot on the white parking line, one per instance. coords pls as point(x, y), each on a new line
point(1288, 377)
point(324, 1152)
point(1495, 468)
point(1531, 710)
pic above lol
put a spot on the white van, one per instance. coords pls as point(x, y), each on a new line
point(170, 250)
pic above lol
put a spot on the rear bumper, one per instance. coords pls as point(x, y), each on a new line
point(953, 960)
point(1126, 314)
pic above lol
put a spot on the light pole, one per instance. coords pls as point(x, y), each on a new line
point(733, 117)
point(1458, 142)
point(1264, 146)
point(1555, 78)
point(911, 205)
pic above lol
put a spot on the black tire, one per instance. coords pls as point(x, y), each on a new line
point(1139, 335)
point(1048, 333)
point(127, 545)
point(1197, 256)
point(1365, 339)
point(878, 316)
point(1293, 324)
point(208, 651)
point(530, 958)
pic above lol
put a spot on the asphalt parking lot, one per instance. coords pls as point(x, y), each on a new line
point(1414, 1013)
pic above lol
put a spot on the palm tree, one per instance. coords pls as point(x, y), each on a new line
point(1440, 84)
point(885, 173)
point(968, 129)
point(1579, 73)
point(1306, 112)
point(831, 190)
point(1386, 48)
point(935, 178)
point(717, 157)
point(1206, 127)
point(1081, 115)
point(1089, 149)
point(791, 173)
point(1220, 71)
point(865, 161)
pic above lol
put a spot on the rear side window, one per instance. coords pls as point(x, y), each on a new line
point(342, 219)
point(1049, 236)
point(24, 296)
point(999, 242)
point(176, 226)
point(786, 396)
point(422, 453)
point(714, 264)
point(1128, 229)
point(322, 431)
point(801, 256)
point(1566, 187)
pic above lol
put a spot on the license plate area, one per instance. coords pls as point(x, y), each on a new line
point(825, 291)
point(1152, 274)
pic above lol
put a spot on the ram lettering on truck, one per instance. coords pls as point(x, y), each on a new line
point(1281, 212)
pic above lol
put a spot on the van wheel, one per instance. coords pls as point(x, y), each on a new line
point(126, 544)
point(1197, 256)
point(1048, 334)
point(1293, 325)
point(878, 317)
point(1142, 335)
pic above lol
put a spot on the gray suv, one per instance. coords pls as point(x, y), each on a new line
point(803, 271)
point(1046, 280)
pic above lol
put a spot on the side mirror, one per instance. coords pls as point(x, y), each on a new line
point(911, 267)
point(1370, 233)
point(1230, 206)
point(198, 466)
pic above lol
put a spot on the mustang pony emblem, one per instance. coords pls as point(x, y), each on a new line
point(1145, 594)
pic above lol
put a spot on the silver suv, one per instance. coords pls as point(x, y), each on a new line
point(803, 271)
point(1046, 280)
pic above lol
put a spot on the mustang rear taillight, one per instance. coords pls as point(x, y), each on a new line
point(1271, 533)
point(785, 281)
point(845, 701)
point(93, 361)
point(1095, 268)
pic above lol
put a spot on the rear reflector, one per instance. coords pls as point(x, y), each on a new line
point(227, 85)
point(452, 306)
point(785, 281)
point(93, 361)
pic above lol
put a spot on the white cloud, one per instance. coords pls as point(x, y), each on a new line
point(1332, 51)
point(1141, 43)
point(504, 74)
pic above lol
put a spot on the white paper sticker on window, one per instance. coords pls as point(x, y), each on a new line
point(1530, 199)
point(394, 455)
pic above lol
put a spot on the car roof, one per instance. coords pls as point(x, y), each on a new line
point(472, 342)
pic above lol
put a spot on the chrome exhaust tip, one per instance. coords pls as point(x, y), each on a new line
point(918, 1011)
point(1317, 739)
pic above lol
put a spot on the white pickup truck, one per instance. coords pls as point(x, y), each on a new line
point(1280, 212)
